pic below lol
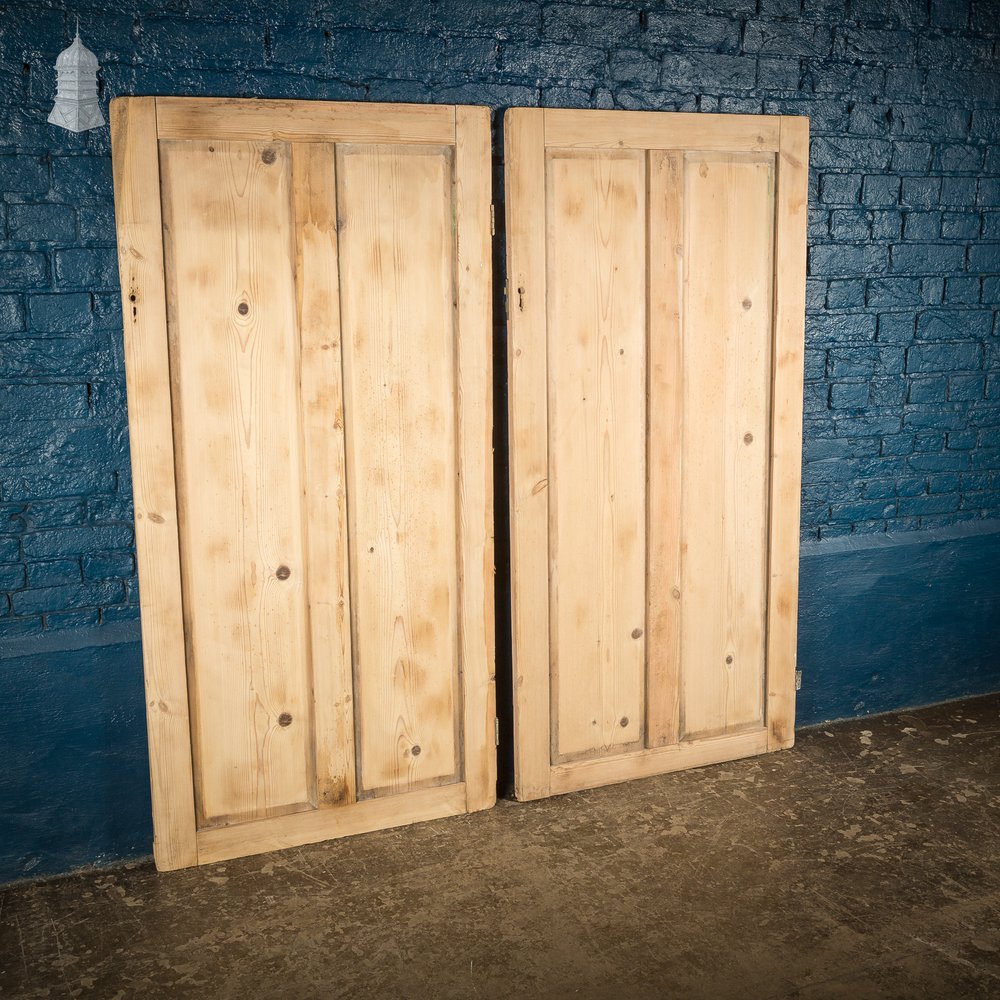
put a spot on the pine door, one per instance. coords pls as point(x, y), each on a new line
point(306, 294)
point(656, 272)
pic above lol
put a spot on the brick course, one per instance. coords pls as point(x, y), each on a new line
point(902, 396)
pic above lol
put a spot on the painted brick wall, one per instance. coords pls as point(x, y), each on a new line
point(902, 396)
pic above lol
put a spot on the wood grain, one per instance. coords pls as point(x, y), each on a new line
point(596, 293)
point(226, 118)
point(140, 264)
point(786, 419)
point(524, 159)
point(324, 475)
point(598, 129)
point(234, 366)
point(397, 288)
point(278, 834)
point(474, 375)
point(664, 419)
point(660, 760)
point(727, 332)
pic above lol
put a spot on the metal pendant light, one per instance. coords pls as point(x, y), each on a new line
point(76, 107)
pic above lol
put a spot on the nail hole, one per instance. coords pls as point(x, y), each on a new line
point(282, 572)
point(623, 722)
point(268, 156)
point(243, 309)
point(747, 303)
point(636, 633)
point(284, 720)
point(675, 591)
point(415, 750)
point(748, 438)
point(729, 659)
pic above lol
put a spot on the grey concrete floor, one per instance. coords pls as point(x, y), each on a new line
point(862, 863)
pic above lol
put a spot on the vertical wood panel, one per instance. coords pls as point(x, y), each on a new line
point(728, 273)
point(475, 456)
point(524, 158)
point(324, 473)
point(147, 366)
point(596, 274)
point(234, 365)
point(786, 444)
point(396, 282)
point(665, 402)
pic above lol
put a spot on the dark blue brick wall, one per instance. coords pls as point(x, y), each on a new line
point(902, 395)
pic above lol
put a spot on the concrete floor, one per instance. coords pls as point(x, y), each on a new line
point(863, 863)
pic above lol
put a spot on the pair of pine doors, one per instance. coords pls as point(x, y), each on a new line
point(306, 291)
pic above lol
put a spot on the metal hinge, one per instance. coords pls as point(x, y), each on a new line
point(493, 220)
point(798, 680)
point(496, 730)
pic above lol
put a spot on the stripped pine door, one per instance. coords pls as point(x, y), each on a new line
point(306, 293)
point(656, 279)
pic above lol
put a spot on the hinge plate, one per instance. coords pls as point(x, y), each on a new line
point(496, 730)
point(493, 220)
point(798, 680)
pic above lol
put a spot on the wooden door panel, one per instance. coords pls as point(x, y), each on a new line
point(596, 482)
point(397, 303)
point(309, 403)
point(728, 266)
point(652, 428)
point(234, 365)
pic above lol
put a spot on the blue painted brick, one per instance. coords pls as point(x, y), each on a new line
point(844, 395)
point(927, 505)
point(984, 258)
point(954, 324)
point(53, 572)
point(966, 387)
point(849, 152)
point(966, 225)
point(76, 541)
point(991, 290)
point(921, 225)
point(943, 357)
point(958, 159)
point(49, 402)
point(66, 313)
point(909, 156)
point(11, 314)
point(22, 269)
point(878, 46)
point(788, 38)
point(928, 390)
point(885, 292)
point(921, 192)
point(849, 224)
point(962, 290)
point(927, 258)
point(880, 190)
point(990, 226)
point(24, 174)
point(709, 71)
point(83, 595)
point(887, 226)
point(92, 268)
point(959, 191)
point(675, 30)
point(846, 260)
point(40, 223)
point(107, 565)
point(896, 328)
point(924, 121)
point(11, 576)
point(847, 294)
